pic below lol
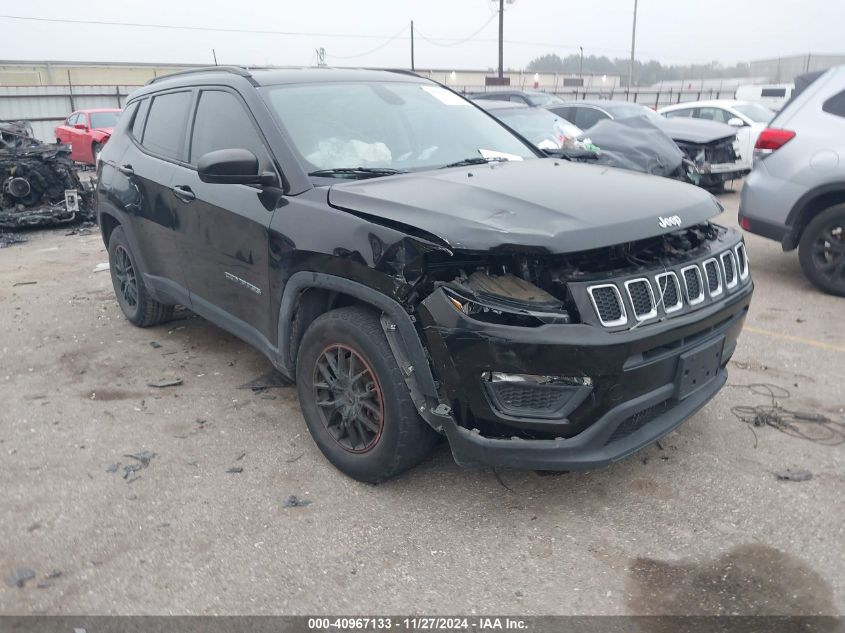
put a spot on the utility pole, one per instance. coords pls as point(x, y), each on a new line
point(581, 63)
point(413, 69)
point(501, 39)
point(214, 54)
point(633, 44)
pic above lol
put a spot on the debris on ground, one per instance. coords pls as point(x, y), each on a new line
point(142, 456)
point(129, 471)
point(155, 345)
point(39, 184)
point(235, 470)
point(19, 577)
point(294, 459)
point(112, 468)
point(24, 283)
point(8, 239)
point(295, 502)
point(271, 380)
point(101, 267)
point(165, 382)
point(794, 475)
point(806, 425)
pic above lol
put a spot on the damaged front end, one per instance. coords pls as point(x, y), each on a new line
point(571, 361)
point(39, 185)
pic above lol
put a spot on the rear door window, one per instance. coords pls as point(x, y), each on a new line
point(685, 113)
point(222, 122)
point(586, 118)
point(164, 133)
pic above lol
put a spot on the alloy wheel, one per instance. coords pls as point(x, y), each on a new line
point(125, 274)
point(349, 399)
point(829, 252)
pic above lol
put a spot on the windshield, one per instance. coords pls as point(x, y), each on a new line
point(541, 127)
point(104, 119)
point(403, 126)
point(755, 112)
point(545, 100)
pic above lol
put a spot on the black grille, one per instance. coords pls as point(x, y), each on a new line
point(640, 294)
point(669, 291)
point(720, 153)
point(526, 397)
point(638, 421)
point(742, 262)
point(728, 264)
point(691, 278)
point(712, 272)
point(607, 303)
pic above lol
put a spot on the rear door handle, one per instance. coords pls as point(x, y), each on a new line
point(184, 193)
point(126, 170)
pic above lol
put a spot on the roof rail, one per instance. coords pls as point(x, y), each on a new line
point(235, 70)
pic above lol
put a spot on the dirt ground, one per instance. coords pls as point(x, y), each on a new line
point(699, 524)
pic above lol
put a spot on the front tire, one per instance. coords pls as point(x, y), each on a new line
point(822, 250)
point(354, 399)
point(96, 148)
point(135, 302)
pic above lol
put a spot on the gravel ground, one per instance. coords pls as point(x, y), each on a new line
point(700, 525)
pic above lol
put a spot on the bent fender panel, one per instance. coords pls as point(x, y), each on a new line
point(410, 340)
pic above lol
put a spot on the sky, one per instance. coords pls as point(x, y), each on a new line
point(451, 34)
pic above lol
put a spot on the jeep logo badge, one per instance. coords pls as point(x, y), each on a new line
point(672, 220)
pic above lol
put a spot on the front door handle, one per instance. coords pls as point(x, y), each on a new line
point(184, 193)
point(126, 170)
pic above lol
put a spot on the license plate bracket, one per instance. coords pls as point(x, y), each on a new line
point(698, 367)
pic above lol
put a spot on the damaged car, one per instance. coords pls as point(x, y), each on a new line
point(420, 271)
point(712, 147)
point(39, 185)
point(87, 132)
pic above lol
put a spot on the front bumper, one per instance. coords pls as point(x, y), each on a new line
point(636, 394)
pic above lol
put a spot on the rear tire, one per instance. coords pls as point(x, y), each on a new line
point(136, 303)
point(367, 426)
point(822, 250)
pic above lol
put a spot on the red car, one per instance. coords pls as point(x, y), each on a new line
point(86, 131)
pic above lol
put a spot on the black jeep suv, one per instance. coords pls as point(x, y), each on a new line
point(420, 270)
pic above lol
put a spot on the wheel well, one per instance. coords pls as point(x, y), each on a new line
point(312, 303)
point(108, 223)
point(812, 208)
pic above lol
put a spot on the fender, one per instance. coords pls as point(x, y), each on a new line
point(409, 340)
point(798, 218)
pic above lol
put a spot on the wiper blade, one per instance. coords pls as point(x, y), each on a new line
point(365, 171)
point(476, 160)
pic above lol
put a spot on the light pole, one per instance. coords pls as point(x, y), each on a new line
point(633, 44)
point(502, 37)
point(581, 63)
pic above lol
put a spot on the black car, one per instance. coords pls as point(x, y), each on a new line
point(533, 98)
point(419, 270)
point(710, 145)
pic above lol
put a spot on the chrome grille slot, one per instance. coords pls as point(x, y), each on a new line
point(729, 268)
point(714, 279)
point(693, 285)
point(642, 298)
point(670, 292)
point(742, 261)
point(607, 302)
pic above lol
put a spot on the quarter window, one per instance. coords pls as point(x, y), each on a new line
point(586, 118)
point(140, 117)
point(165, 130)
point(223, 123)
point(835, 105)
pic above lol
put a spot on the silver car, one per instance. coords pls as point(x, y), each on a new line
point(796, 191)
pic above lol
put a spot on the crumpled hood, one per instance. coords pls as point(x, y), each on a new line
point(696, 130)
point(552, 205)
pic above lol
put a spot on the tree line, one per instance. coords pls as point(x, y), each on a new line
point(645, 73)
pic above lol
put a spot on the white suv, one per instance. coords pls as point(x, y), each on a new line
point(796, 191)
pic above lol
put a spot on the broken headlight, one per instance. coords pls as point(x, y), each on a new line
point(491, 311)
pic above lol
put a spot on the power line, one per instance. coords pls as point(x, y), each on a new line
point(461, 40)
point(377, 48)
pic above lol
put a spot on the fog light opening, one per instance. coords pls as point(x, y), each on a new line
point(568, 381)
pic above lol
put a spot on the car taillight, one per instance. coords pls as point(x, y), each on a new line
point(770, 140)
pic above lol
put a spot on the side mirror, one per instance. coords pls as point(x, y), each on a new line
point(80, 126)
point(736, 122)
point(233, 167)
